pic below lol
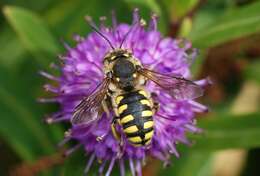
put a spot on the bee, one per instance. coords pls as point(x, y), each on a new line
point(123, 90)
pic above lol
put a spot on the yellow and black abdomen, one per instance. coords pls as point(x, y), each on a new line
point(135, 114)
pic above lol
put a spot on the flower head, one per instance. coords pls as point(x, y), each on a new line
point(82, 71)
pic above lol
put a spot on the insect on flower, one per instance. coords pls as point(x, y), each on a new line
point(126, 93)
point(123, 89)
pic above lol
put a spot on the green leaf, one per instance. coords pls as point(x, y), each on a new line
point(219, 133)
point(191, 163)
point(151, 4)
point(19, 127)
point(198, 62)
point(238, 23)
point(196, 164)
point(20, 123)
point(67, 18)
point(185, 27)
point(252, 71)
point(146, 8)
point(177, 9)
point(229, 131)
point(75, 164)
point(11, 49)
point(34, 34)
point(30, 4)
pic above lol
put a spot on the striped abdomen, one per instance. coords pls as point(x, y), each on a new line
point(135, 114)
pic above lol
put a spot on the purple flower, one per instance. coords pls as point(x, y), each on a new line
point(82, 71)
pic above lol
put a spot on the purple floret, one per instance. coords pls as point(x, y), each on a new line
point(82, 71)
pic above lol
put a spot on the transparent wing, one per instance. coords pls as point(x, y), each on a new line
point(178, 87)
point(88, 109)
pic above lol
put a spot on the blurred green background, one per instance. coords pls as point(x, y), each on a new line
point(227, 32)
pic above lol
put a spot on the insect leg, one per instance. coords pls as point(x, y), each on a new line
point(115, 119)
point(113, 128)
point(118, 137)
point(106, 110)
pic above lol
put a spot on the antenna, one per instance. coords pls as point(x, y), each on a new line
point(128, 32)
point(93, 26)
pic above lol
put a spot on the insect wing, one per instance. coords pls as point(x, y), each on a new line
point(179, 88)
point(88, 109)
